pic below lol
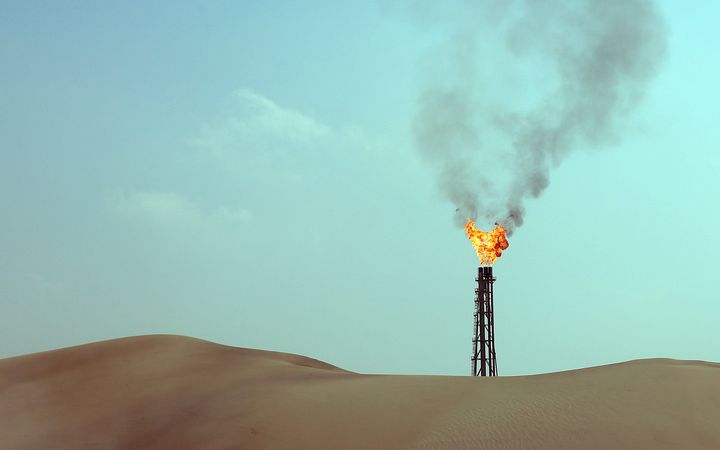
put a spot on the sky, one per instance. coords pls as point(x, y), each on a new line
point(246, 173)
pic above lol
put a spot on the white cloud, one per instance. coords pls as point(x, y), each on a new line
point(258, 146)
point(260, 133)
point(160, 207)
point(171, 210)
point(266, 116)
point(279, 163)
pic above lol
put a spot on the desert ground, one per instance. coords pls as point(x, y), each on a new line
point(175, 393)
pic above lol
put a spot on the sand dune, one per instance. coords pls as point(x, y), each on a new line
point(171, 392)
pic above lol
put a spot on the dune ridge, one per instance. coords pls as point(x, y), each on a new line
point(174, 392)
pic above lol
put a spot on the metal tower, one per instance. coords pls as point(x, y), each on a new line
point(483, 357)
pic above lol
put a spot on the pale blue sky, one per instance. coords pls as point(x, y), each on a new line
point(245, 173)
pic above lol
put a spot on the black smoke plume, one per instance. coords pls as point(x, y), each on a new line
point(598, 55)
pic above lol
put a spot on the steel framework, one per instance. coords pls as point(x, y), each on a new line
point(484, 362)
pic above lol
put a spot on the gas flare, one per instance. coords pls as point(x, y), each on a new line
point(488, 245)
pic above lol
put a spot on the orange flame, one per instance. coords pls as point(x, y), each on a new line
point(488, 245)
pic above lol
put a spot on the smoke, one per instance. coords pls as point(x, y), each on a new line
point(566, 73)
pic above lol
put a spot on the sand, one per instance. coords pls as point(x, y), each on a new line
point(172, 392)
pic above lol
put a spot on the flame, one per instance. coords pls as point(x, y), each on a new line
point(488, 245)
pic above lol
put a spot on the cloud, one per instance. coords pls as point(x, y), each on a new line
point(257, 131)
point(254, 166)
point(169, 210)
point(264, 116)
point(275, 158)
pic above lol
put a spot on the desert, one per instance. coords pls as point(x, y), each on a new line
point(174, 392)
